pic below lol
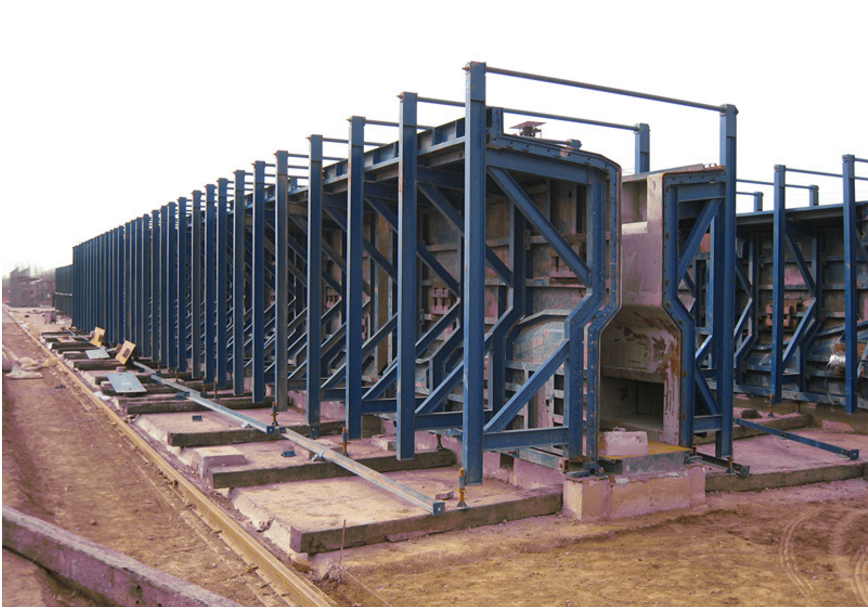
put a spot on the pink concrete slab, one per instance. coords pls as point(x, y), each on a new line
point(309, 517)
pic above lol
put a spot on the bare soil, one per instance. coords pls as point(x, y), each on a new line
point(798, 546)
point(63, 462)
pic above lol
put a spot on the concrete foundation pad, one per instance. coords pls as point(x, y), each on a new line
point(593, 499)
point(161, 403)
point(99, 569)
point(266, 465)
point(789, 421)
point(180, 430)
point(308, 518)
point(776, 462)
point(207, 459)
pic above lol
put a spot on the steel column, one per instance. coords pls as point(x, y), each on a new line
point(778, 284)
point(314, 286)
point(473, 321)
point(724, 330)
point(257, 262)
point(407, 284)
point(238, 284)
point(643, 149)
point(156, 288)
point(281, 281)
point(181, 280)
point(211, 302)
point(147, 308)
point(354, 292)
point(851, 292)
point(222, 297)
point(196, 284)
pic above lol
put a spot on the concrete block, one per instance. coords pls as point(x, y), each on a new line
point(206, 459)
point(527, 475)
point(587, 499)
point(696, 474)
point(621, 443)
point(636, 497)
point(110, 574)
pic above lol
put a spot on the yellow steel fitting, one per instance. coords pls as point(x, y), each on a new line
point(462, 484)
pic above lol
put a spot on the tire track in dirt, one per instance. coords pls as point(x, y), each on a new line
point(859, 580)
point(853, 569)
point(787, 556)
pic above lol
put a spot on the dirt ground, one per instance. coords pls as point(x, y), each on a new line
point(64, 463)
point(799, 546)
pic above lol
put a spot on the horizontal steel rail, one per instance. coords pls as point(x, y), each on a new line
point(324, 452)
point(849, 453)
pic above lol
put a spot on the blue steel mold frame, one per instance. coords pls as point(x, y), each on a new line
point(456, 280)
point(802, 286)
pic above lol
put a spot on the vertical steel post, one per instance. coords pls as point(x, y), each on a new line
point(355, 262)
point(146, 308)
point(222, 297)
point(74, 284)
point(111, 291)
point(156, 288)
point(757, 202)
point(473, 321)
point(170, 266)
point(281, 281)
point(314, 286)
point(196, 284)
point(238, 285)
point(127, 328)
point(407, 284)
point(779, 261)
point(211, 301)
point(851, 292)
point(726, 326)
point(257, 262)
point(813, 195)
point(181, 282)
point(642, 148)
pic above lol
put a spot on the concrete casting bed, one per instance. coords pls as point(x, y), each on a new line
point(776, 462)
point(308, 518)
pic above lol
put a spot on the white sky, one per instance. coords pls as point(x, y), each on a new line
point(111, 109)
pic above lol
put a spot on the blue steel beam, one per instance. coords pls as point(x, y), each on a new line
point(222, 299)
point(473, 296)
point(197, 225)
point(181, 269)
point(211, 302)
point(258, 302)
point(642, 158)
point(156, 287)
point(314, 291)
point(851, 292)
point(778, 284)
point(147, 308)
point(724, 330)
point(848, 453)
point(407, 287)
point(239, 309)
point(170, 266)
point(354, 278)
point(281, 281)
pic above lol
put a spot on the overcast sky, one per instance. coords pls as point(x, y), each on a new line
point(111, 109)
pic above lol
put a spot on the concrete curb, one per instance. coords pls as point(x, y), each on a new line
point(99, 569)
point(732, 483)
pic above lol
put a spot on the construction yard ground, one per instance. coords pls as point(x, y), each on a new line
point(65, 462)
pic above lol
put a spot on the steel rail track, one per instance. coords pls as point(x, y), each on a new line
point(285, 581)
